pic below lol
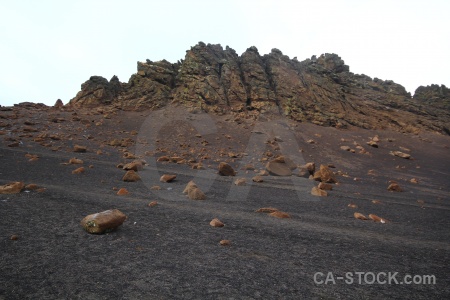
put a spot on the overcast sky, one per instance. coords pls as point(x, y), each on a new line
point(49, 48)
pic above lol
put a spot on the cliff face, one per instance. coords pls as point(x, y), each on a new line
point(319, 90)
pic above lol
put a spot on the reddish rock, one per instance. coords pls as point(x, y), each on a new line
point(240, 181)
point(279, 214)
point(163, 158)
point(75, 161)
point(278, 168)
point(153, 203)
point(257, 178)
point(191, 184)
point(216, 223)
point(400, 154)
point(225, 242)
point(80, 149)
point(325, 175)
point(122, 191)
point(102, 222)
point(194, 193)
point(12, 188)
point(267, 210)
point(131, 176)
point(315, 191)
point(325, 186)
point(394, 187)
point(135, 166)
point(168, 177)
point(78, 170)
point(360, 216)
point(377, 218)
point(226, 170)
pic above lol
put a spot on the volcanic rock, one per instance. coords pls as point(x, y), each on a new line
point(102, 222)
point(168, 177)
point(226, 170)
point(216, 223)
point(131, 176)
point(279, 214)
point(315, 191)
point(194, 193)
point(12, 188)
point(240, 181)
point(278, 168)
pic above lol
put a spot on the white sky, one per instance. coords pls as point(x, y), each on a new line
point(49, 48)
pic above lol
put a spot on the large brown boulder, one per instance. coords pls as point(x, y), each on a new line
point(104, 221)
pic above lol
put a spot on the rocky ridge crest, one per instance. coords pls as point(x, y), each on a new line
point(321, 90)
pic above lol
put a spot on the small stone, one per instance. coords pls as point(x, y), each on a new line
point(102, 222)
point(372, 144)
point(14, 144)
point(325, 186)
point(279, 214)
point(325, 175)
point(311, 141)
point(267, 210)
point(191, 184)
point(75, 161)
point(163, 158)
point(345, 148)
point(225, 242)
point(79, 170)
point(263, 173)
point(135, 166)
point(216, 223)
point(12, 188)
point(131, 176)
point(226, 170)
point(153, 203)
point(257, 178)
point(155, 188)
point(315, 191)
point(240, 181)
point(168, 178)
point(14, 237)
point(352, 205)
point(196, 194)
point(376, 201)
point(414, 180)
point(400, 154)
point(80, 149)
point(277, 168)
point(122, 191)
point(377, 218)
point(394, 187)
point(248, 167)
point(359, 216)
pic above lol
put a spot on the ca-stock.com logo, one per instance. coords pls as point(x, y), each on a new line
point(153, 130)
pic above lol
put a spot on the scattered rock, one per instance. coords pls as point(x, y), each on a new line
point(372, 143)
point(352, 205)
point(79, 170)
point(168, 178)
point(279, 214)
point(263, 173)
point(155, 188)
point(80, 149)
point(12, 188)
point(267, 210)
point(135, 166)
point(345, 148)
point(122, 191)
point(131, 176)
point(75, 161)
point(414, 180)
point(195, 193)
point(163, 158)
point(102, 222)
point(191, 184)
point(360, 216)
point(400, 154)
point(325, 175)
point(225, 242)
point(257, 178)
point(153, 203)
point(377, 218)
point(278, 167)
point(376, 201)
point(216, 223)
point(315, 191)
point(394, 187)
point(14, 237)
point(325, 186)
point(226, 170)
point(240, 181)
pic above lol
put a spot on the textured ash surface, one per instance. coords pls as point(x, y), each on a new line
point(171, 252)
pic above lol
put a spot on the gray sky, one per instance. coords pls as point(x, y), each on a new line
point(49, 48)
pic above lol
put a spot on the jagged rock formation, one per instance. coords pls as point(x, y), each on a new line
point(319, 90)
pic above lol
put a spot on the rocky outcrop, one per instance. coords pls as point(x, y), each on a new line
point(321, 90)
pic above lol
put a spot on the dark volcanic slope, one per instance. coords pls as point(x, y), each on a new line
point(171, 252)
point(319, 90)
